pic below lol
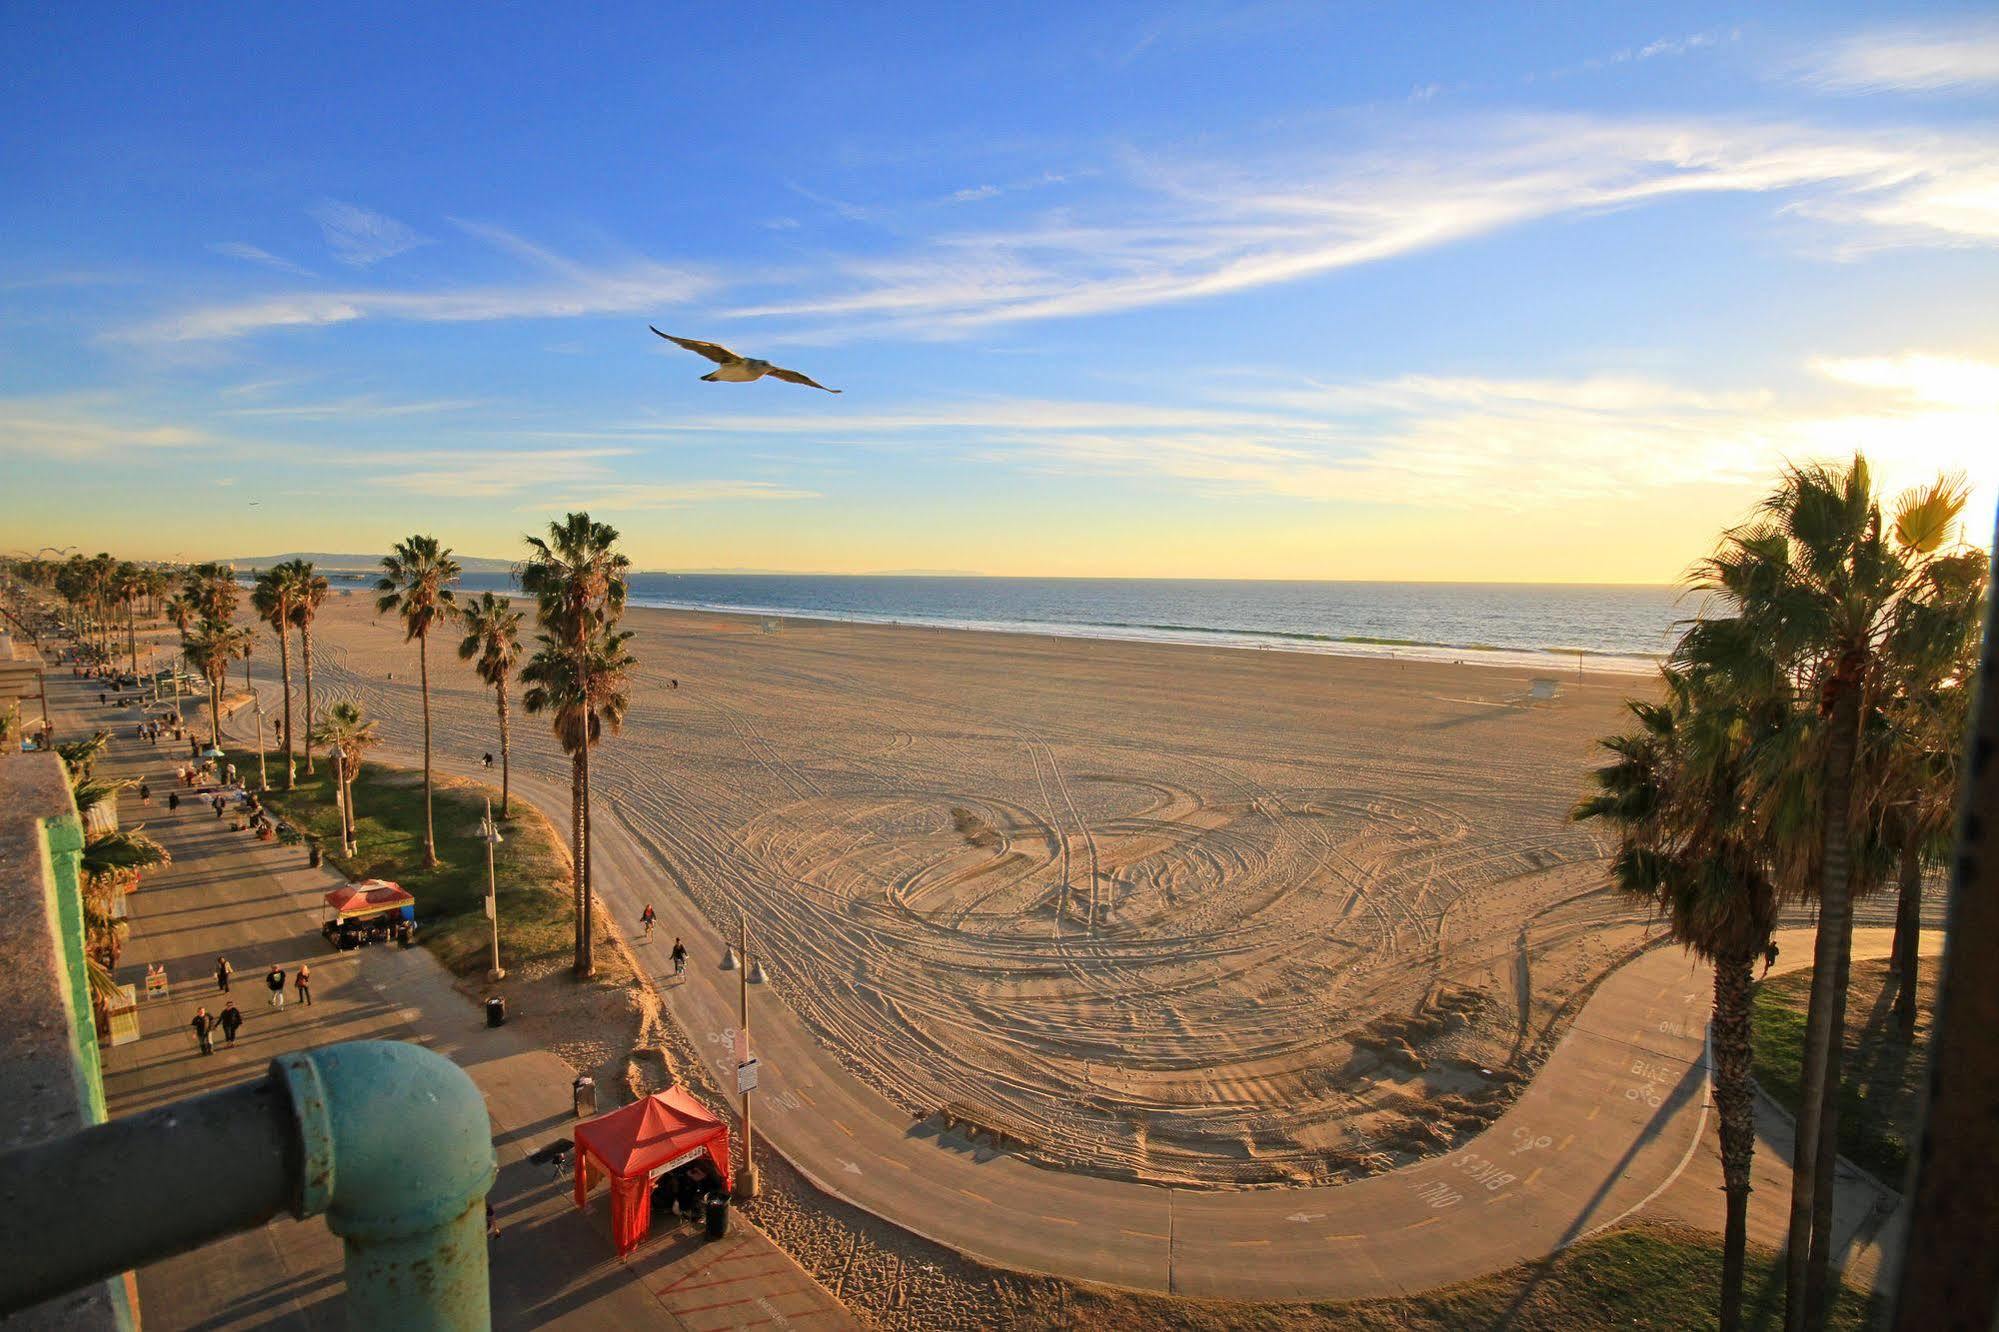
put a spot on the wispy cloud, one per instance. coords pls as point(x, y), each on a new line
point(1923, 60)
point(636, 495)
point(359, 408)
point(258, 255)
point(82, 426)
point(1185, 230)
point(573, 477)
point(1453, 442)
point(580, 290)
point(360, 237)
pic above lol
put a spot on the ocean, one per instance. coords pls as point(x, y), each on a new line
point(1621, 628)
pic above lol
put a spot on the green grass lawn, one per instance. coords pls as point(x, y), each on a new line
point(1883, 1076)
point(532, 864)
point(1645, 1276)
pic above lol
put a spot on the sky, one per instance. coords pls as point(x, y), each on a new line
point(1470, 293)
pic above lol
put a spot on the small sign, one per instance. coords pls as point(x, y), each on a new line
point(746, 1076)
point(667, 1167)
point(488, 901)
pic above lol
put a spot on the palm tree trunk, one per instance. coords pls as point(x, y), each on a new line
point(1804, 1281)
point(1736, 1100)
point(305, 651)
point(576, 850)
point(285, 672)
point(1818, 1273)
point(505, 777)
point(423, 673)
point(588, 923)
point(215, 713)
point(1908, 935)
point(131, 638)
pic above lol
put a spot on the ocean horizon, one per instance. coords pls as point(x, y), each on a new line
point(1608, 627)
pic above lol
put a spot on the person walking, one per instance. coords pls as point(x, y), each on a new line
point(222, 970)
point(231, 1019)
point(647, 917)
point(203, 1025)
point(145, 794)
point(302, 982)
point(679, 958)
point(173, 800)
point(274, 980)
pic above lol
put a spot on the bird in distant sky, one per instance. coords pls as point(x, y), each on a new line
point(739, 369)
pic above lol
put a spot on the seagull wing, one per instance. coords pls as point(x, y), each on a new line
point(793, 377)
point(714, 351)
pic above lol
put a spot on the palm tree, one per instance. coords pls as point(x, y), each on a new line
point(493, 642)
point(129, 583)
point(275, 600)
point(209, 649)
point(577, 577)
point(345, 729)
point(310, 590)
point(1679, 796)
point(1814, 582)
point(416, 584)
point(157, 585)
point(212, 591)
point(584, 688)
point(180, 609)
point(1923, 711)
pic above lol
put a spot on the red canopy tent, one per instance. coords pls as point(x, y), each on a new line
point(635, 1145)
point(367, 897)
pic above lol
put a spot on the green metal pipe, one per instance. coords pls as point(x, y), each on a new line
point(389, 1141)
point(89, 1206)
point(398, 1152)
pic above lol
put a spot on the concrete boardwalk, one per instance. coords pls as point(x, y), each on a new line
point(227, 894)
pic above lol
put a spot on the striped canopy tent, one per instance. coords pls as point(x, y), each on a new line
point(635, 1145)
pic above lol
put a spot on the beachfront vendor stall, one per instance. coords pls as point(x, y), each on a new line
point(371, 911)
point(669, 1141)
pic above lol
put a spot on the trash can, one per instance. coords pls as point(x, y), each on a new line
point(717, 1215)
point(585, 1090)
point(496, 1011)
point(312, 852)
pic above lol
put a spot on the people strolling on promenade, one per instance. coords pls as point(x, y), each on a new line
point(203, 1027)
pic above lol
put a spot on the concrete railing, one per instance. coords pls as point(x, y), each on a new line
point(389, 1141)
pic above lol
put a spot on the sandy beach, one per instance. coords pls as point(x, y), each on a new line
point(1204, 916)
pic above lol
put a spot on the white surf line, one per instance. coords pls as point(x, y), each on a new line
point(1700, 1131)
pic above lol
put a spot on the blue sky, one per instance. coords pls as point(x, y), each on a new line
point(1266, 290)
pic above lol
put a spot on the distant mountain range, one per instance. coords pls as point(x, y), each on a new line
point(329, 562)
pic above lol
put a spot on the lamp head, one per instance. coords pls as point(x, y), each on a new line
point(729, 962)
point(756, 971)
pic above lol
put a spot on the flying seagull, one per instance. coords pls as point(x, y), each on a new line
point(739, 369)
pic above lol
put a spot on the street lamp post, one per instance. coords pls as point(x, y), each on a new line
point(489, 833)
point(749, 972)
point(263, 773)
